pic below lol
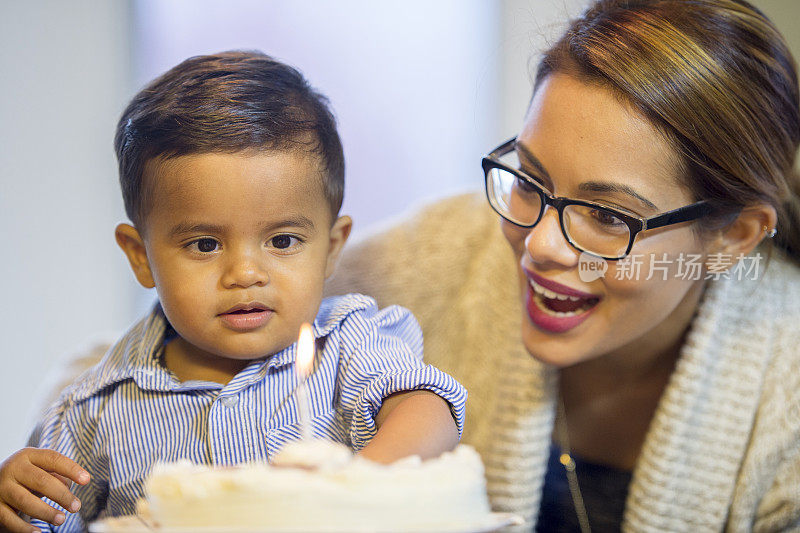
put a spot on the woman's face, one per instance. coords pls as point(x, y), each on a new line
point(583, 142)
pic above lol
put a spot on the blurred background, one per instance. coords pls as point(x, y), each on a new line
point(421, 90)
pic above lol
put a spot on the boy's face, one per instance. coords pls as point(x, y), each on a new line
point(238, 247)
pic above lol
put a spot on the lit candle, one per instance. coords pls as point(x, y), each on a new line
point(304, 363)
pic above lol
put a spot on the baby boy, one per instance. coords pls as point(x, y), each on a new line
point(232, 174)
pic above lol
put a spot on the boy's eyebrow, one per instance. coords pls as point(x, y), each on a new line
point(588, 186)
point(299, 221)
point(187, 227)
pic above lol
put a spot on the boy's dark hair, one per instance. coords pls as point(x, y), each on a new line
point(225, 102)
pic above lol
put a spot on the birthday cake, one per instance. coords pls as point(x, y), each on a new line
point(320, 486)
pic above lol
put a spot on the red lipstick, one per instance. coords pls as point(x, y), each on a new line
point(556, 308)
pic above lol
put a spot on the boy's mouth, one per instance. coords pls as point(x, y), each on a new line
point(246, 316)
point(240, 309)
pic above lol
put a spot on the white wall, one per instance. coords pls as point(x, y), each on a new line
point(64, 70)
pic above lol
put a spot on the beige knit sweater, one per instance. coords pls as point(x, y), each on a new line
point(723, 450)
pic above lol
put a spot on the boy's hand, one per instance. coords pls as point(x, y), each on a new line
point(28, 475)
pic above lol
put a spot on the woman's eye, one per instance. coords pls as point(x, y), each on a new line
point(605, 218)
point(283, 242)
point(525, 186)
point(205, 245)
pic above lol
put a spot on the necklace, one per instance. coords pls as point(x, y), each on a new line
point(569, 466)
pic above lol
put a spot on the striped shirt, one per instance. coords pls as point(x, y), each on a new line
point(129, 411)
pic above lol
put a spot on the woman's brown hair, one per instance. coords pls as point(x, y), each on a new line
point(717, 78)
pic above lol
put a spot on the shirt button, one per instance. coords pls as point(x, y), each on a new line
point(229, 401)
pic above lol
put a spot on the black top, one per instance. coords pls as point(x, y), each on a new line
point(603, 488)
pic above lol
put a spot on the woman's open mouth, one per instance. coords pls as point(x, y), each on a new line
point(561, 304)
point(556, 308)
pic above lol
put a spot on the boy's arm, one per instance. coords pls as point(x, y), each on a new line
point(386, 393)
point(29, 474)
point(412, 423)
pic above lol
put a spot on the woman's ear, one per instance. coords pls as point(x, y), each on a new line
point(131, 242)
point(739, 238)
point(340, 231)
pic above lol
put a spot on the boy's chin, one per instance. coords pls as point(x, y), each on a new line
point(243, 355)
point(248, 352)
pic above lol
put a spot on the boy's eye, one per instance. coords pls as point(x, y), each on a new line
point(283, 241)
point(205, 245)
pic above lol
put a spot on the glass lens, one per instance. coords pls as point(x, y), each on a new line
point(513, 197)
point(597, 230)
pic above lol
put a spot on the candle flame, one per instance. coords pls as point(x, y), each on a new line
point(305, 351)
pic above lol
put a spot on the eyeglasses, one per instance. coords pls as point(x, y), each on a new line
point(588, 226)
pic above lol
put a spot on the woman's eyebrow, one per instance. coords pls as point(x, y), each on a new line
point(531, 159)
point(588, 186)
point(604, 186)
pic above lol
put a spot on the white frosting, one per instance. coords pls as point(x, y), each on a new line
point(316, 453)
point(341, 493)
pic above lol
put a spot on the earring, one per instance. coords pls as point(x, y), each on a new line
point(770, 233)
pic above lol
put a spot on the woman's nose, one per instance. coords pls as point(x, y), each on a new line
point(547, 245)
point(245, 269)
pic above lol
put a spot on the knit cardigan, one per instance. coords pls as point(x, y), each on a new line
point(723, 449)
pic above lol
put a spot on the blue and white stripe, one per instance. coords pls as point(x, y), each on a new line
point(128, 412)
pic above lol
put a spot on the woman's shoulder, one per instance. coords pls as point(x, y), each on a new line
point(772, 463)
point(783, 278)
point(776, 309)
point(786, 275)
point(779, 292)
point(747, 332)
point(759, 291)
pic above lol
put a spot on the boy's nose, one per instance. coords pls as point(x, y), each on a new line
point(245, 271)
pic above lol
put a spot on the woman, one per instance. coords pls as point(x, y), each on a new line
point(672, 388)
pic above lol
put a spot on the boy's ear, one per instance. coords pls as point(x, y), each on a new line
point(339, 234)
point(131, 242)
point(740, 237)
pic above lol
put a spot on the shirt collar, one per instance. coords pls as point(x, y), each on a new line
point(332, 312)
point(135, 356)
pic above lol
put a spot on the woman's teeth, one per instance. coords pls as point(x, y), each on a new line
point(553, 295)
point(560, 305)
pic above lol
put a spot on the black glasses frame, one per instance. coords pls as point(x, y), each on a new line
point(635, 224)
